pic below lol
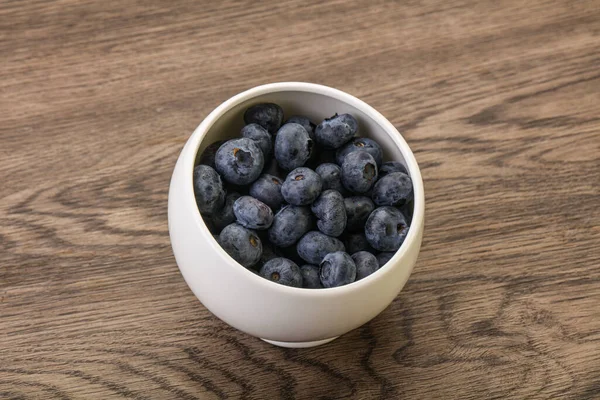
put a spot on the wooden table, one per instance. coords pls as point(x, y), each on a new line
point(499, 100)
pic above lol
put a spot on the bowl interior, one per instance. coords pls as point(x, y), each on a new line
point(316, 106)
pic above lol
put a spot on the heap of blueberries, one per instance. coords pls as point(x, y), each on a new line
point(290, 194)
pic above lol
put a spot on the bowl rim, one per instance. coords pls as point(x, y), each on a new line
point(190, 156)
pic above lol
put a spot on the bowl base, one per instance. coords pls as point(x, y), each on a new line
point(300, 345)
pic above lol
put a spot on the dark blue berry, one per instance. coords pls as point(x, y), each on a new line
point(331, 213)
point(359, 171)
point(239, 161)
point(334, 132)
point(331, 175)
point(208, 189)
point(384, 257)
point(272, 168)
point(282, 271)
point(242, 244)
point(252, 213)
point(293, 146)
point(314, 245)
point(360, 144)
point(301, 187)
point(391, 166)
point(366, 264)
point(358, 209)
point(225, 216)
point(267, 115)
point(305, 122)
point(310, 276)
point(386, 229)
point(289, 224)
point(337, 269)
point(260, 136)
point(208, 155)
point(267, 188)
point(407, 209)
point(355, 242)
point(394, 189)
point(268, 253)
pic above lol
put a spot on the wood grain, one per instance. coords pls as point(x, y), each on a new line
point(499, 100)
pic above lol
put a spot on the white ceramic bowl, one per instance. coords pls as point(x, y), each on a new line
point(282, 315)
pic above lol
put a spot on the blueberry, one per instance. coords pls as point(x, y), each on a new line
point(355, 242)
point(337, 269)
point(314, 245)
point(225, 216)
point(358, 209)
point(366, 264)
point(310, 276)
point(208, 189)
point(394, 189)
point(260, 136)
point(301, 187)
point(360, 144)
point(208, 155)
point(267, 188)
point(386, 228)
point(239, 161)
point(334, 132)
point(331, 175)
point(289, 224)
point(331, 213)
point(359, 171)
point(384, 257)
point(293, 146)
point(391, 166)
point(242, 244)
point(290, 253)
point(305, 122)
point(252, 213)
point(282, 271)
point(267, 115)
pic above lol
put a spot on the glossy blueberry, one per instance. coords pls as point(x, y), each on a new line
point(267, 115)
point(301, 187)
point(337, 269)
point(355, 242)
point(208, 189)
point(289, 224)
point(359, 171)
point(267, 188)
point(360, 144)
point(331, 213)
point(260, 136)
point(384, 257)
point(386, 228)
point(314, 245)
point(208, 155)
point(293, 146)
point(310, 276)
point(336, 131)
point(331, 175)
point(242, 244)
point(305, 122)
point(366, 264)
point(391, 166)
point(282, 271)
point(358, 209)
point(239, 161)
point(252, 213)
point(224, 216)
point(394, 189)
